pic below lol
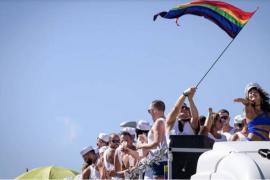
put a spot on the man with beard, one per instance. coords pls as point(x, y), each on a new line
point(90, 170)
point(186, 118)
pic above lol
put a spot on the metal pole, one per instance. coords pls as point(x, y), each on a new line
point(214, 63)
point(170, 159)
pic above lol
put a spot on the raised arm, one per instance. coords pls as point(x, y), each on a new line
point(208, 123)
point(250, 110)
point(171, 118)
point(193, 109)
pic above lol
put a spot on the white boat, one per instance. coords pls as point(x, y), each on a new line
point(234, 160)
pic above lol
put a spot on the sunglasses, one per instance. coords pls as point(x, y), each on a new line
point(138, 132)
point(224, 117)
point(116, 141)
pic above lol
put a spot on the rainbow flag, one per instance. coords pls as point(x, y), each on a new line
point(228, 17)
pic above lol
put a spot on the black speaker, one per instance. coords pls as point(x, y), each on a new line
point(184, 152)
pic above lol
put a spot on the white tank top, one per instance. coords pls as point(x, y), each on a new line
point(94, 173)
point(223, 138)
point(187, 129)
point(108, 166)
point(162, 144)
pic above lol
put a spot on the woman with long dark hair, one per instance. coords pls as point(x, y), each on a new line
point(257, 109)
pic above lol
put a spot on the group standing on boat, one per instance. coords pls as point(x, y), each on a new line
point(118, 154)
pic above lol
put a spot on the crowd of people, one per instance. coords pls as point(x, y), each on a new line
point(118, 154)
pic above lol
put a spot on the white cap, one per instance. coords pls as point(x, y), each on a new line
point(86, 150)
point(104, 137)
point(128, 124)
point(130, 130)
point(250, 86)
point(102, 149)
point(238, 119)
point(143, 125)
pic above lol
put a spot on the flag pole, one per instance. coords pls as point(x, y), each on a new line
point(214, 63)
point(220, 55)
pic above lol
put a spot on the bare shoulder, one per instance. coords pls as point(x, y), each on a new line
point(159, 123)
point(86, 173)
point(160, 120)
point(234, 137)
point(111, 152)
point(86, 169)
point(117, 150)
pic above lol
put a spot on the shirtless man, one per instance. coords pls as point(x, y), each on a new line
point(122, 160)
point(109, 155)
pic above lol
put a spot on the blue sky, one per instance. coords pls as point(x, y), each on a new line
point(71, 69)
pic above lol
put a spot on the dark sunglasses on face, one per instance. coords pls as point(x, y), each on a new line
point(116, 141)
point(138, 132)
point(150, 111)
point(224, 117)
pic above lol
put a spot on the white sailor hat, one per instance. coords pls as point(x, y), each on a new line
point(86, 150)
point(250, 86)
point(128, 124)
point(143, 125)
point(130, 130)
point(104, 137)
point(238, 119)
